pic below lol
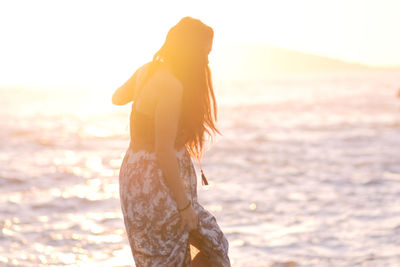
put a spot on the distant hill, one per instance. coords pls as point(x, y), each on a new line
point(255, 62)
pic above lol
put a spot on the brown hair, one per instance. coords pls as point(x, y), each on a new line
point(184, 50)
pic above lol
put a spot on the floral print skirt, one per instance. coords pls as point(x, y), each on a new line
point(151, 216)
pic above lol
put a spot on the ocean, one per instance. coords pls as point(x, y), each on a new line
point(305, 173)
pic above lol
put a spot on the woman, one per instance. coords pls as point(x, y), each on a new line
point(173, 108)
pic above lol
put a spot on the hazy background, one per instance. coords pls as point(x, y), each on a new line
point(100, 43)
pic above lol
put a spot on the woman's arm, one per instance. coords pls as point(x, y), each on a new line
point(124, 94)
point(166, 123)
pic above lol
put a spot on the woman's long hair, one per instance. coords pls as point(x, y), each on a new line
point(185, 51)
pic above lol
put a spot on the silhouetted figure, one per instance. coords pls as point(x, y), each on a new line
point(173, 108)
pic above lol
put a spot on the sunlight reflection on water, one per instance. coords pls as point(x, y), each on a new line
point(307, 171)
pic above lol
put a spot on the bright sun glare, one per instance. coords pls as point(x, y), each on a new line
point(101, 43)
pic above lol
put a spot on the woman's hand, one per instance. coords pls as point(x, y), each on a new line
point(189, 219)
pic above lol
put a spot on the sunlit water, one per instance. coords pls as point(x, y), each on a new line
point(307, 172)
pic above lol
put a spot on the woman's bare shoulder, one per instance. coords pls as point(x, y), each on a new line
point(161, 85)
point(168, 81)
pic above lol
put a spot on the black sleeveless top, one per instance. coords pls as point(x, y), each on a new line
point(142, 129)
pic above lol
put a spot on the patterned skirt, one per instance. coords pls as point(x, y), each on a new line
point(151, 216)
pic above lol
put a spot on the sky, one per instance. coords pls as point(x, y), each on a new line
point(100, 43)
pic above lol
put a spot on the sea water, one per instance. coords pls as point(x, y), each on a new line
point(305, 173)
